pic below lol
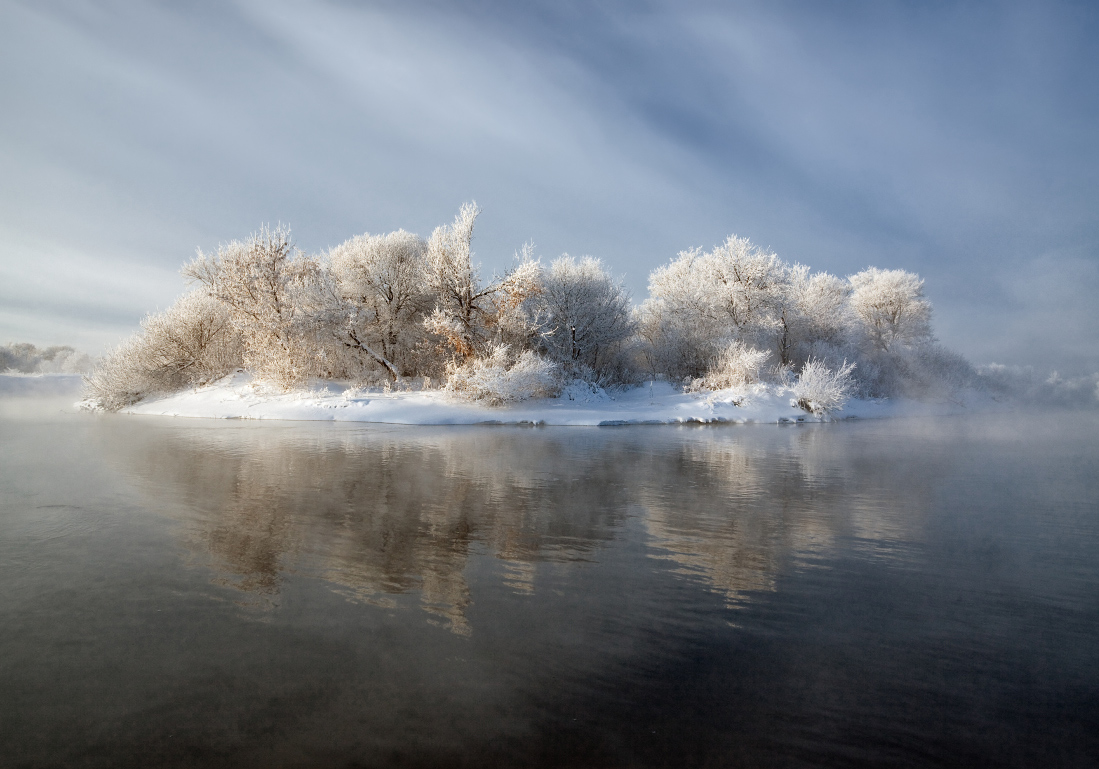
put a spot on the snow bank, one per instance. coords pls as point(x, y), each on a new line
point(238, 397)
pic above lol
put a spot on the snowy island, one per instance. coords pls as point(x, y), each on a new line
point(395, 328)
point(239, 397)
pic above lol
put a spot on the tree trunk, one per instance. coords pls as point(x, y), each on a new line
point(360, 345)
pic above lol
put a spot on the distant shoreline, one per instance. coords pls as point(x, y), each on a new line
point(18, 384)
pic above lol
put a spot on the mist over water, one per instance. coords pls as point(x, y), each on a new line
point(210, 593)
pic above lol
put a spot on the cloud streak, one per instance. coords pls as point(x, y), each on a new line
point(952, 139)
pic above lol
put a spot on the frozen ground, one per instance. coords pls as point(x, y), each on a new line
point(240, 398)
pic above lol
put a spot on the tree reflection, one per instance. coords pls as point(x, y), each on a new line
point(383, 512)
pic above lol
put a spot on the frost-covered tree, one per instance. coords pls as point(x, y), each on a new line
point(191, 343)
point(64, 360)
point(464, 308)
point(516, 319)
point(379, 279)
point(891, 329)
point(709, 314)
point(730, 317)
point(586, 319)
point(746, 284)
point(812, 314)
point(21, 357)
point(266, 284)
point(701, 302)
point(891, 308)
point(471, 316)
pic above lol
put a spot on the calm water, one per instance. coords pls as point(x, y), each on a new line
point(894, 593)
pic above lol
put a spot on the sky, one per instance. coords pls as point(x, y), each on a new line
point(955, 140)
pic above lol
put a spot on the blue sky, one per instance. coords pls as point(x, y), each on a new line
point(957, 140)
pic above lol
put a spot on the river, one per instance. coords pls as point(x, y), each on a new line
point(906, 592)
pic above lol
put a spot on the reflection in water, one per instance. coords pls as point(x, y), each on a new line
point(734, 512)
point(898, 593)
point(379, 512)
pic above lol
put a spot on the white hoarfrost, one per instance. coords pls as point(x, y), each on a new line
point(820, 390)
point(501, 378)
point(264, 285)
point(736, 366)
point(891, 307)
point(730, 334)
point(702, 301)
point(379, 281)
point(584, 319)
point(191, 343)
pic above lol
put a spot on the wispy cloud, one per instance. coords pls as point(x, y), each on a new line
point(952, 139)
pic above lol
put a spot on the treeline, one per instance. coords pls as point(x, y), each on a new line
point(25, 358)
point(412, 312)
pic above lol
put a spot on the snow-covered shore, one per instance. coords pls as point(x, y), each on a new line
point(240, 398)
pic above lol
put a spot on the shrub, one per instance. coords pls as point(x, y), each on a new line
point(820, 390)
point(737, 366)
point(499, 378)
point(191, 343)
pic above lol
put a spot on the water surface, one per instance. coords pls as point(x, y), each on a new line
point(211, 593)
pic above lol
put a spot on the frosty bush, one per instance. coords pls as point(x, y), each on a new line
point(738, 365)
point(820, 390)
point(500, 378)
point(191, 343)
